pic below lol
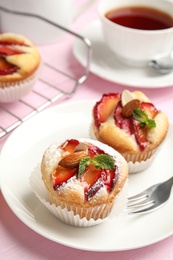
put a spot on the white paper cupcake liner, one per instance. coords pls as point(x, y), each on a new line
point(147, 160)
point(68, 217)
point(140, 166)
point(17, 90)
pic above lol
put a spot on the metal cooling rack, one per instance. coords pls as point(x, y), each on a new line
point(11, 111)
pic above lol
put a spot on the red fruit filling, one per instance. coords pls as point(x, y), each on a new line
point(92, 179)
point(132, 126)
point(7, 68)
point(6, 49)
point(103, 108)
point(122, 122)
point(13, 42)
point(140, 134)
point(62, 175)
point(70, 145)
point(149, 109)
point(110, 103)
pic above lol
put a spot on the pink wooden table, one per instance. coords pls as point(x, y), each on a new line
point(17, 241)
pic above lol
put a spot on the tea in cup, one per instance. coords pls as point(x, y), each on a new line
point(137, 30)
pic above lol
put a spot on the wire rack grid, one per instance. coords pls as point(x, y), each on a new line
point(48, 88)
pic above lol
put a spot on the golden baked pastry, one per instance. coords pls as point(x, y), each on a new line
point(19, 59)
point(83, 176)
point(129, 123)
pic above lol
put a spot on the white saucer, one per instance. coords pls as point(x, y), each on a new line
point(105, 64)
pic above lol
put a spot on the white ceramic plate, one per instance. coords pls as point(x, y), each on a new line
point(105, 64)
point(23, 151)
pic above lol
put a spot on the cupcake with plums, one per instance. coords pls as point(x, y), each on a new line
point(85, 181)
point(131, 124)
point(20, 64)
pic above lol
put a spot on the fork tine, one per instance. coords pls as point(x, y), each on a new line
point(137, 199)
point(143, 210)
point(146, 209)
point(140, 204)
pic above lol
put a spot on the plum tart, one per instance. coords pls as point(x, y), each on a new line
point(84, 176)
point(131, 124)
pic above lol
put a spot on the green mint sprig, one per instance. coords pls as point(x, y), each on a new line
point(142, 117)
point(82, 165)
point(102, 161)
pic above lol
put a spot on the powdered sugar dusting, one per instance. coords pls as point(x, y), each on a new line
point(53, 155)
point(74, 185)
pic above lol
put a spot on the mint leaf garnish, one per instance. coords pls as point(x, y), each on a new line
point(82, 165)
point(103, 161)
point(142, 117)
point(151, 123)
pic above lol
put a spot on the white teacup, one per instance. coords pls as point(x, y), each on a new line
point(62, 12)
point(136, 46)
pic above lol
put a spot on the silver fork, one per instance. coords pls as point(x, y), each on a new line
point(150, 199)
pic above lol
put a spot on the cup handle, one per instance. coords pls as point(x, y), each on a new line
point(83, 8)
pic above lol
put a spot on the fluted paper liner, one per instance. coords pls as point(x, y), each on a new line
point(68, 217)
point(11, 92)
point(146, 160)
